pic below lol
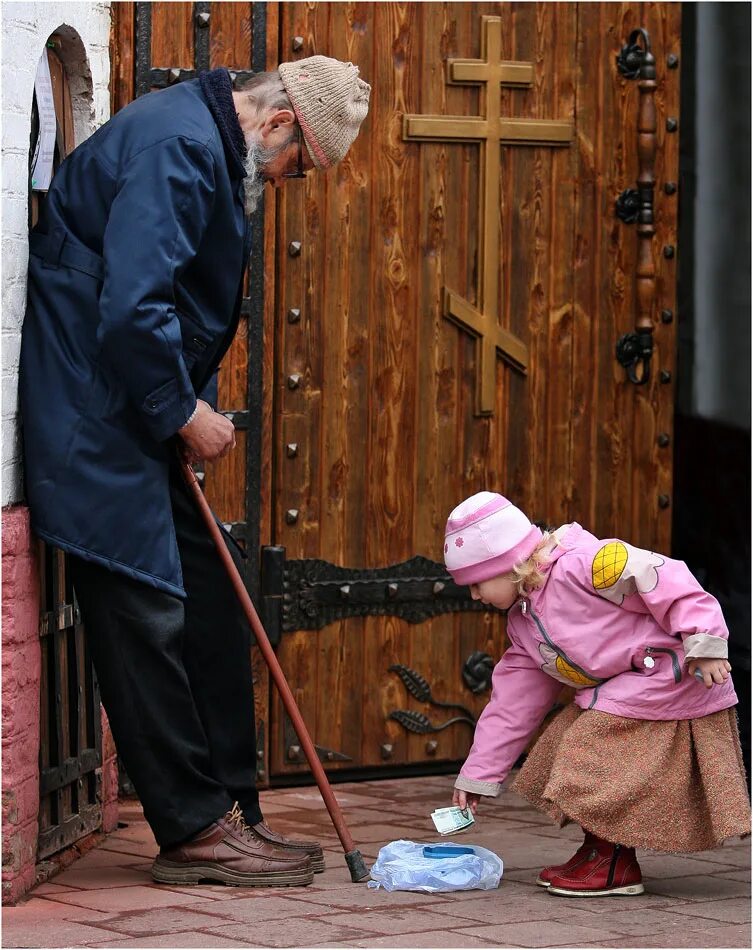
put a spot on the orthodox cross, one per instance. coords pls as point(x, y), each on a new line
point(490, 131)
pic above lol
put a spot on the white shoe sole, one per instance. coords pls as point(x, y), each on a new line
point(542, 883)
point(631, 890)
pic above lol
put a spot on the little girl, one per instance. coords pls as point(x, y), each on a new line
point(648, 755)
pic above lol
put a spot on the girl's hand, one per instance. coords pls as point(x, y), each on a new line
point(714, 671)
point(466, 800)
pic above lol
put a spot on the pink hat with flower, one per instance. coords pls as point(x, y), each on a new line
point(487, 535)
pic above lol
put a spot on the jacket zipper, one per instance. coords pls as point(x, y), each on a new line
point(566, 658)
point(595, 696)
point(675, 662)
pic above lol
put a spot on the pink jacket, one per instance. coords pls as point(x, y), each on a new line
point(617, 623)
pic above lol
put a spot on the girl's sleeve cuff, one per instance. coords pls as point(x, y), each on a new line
point(705, 645)
point(477, 787)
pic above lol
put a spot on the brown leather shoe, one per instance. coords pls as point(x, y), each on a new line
point(231, 852)
point(310, 848)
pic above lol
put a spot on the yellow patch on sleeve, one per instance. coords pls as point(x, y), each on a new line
point(573, 675)
point(608, 565)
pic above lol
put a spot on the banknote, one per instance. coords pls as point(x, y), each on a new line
point(450, 821)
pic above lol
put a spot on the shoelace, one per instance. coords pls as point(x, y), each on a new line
point(235, 818)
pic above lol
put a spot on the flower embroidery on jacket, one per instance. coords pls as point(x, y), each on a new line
point(558, 666)
point(619, 570)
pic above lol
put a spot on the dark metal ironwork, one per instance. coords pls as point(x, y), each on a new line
point(631, 57)
point(670, 187)
point(201, 19)
point(161, 77)
point(259, 37)
point(672, 124)
point(238, 530)
point(294, 753)
point(628, 205)
point(255, 310)
point(421, 725)
point(667, 316)
point(272, 581)
point(418, 687)
point(143, 55)
point(634, 350)
point(664, 501)
point(673, 61)
point(477, 672)
point(668, 251)
point(308, 594)
point(665, 377)
point(239, 417)
point(663, 440)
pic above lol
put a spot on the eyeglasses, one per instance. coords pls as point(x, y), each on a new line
point(299, 172)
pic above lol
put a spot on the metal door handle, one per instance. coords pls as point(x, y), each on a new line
point(634, 350)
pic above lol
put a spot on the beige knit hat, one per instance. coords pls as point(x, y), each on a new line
point(330, 103)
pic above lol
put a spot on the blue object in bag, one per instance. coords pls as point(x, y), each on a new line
point(405, 866)
point(446, 851)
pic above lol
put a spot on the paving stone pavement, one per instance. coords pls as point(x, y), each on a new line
point(108, 899)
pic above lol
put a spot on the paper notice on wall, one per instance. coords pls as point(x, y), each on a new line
point(44, 150)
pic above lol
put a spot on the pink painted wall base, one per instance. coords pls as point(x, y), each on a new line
point(21, 672)
point(21, 677)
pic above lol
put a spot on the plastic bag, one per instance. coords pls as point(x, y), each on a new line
point(401, 866)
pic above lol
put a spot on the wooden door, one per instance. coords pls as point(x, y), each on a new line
point(366, 410)
point(387, 411)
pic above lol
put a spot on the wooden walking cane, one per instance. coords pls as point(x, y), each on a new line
point(353, 857)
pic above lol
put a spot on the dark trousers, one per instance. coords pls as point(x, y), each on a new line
point(175, 680)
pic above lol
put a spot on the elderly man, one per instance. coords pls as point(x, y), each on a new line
point(135, 282)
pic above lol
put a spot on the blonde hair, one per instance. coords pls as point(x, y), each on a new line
point(529, 574)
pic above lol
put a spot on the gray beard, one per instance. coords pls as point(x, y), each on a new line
point(257, 157)
point(253, 182)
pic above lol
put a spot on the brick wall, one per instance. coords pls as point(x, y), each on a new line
point(85, 29)
point(21, 671)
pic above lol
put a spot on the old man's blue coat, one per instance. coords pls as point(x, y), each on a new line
point(135, 282)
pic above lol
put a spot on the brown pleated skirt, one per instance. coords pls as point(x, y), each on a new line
point(673, 786)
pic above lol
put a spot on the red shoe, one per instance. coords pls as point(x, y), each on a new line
point(553, 870)
point(606, 870)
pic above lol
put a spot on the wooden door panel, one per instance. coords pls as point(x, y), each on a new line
point(369, 429)
point(384, 415)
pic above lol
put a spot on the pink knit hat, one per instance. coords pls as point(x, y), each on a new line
point(487, 535)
